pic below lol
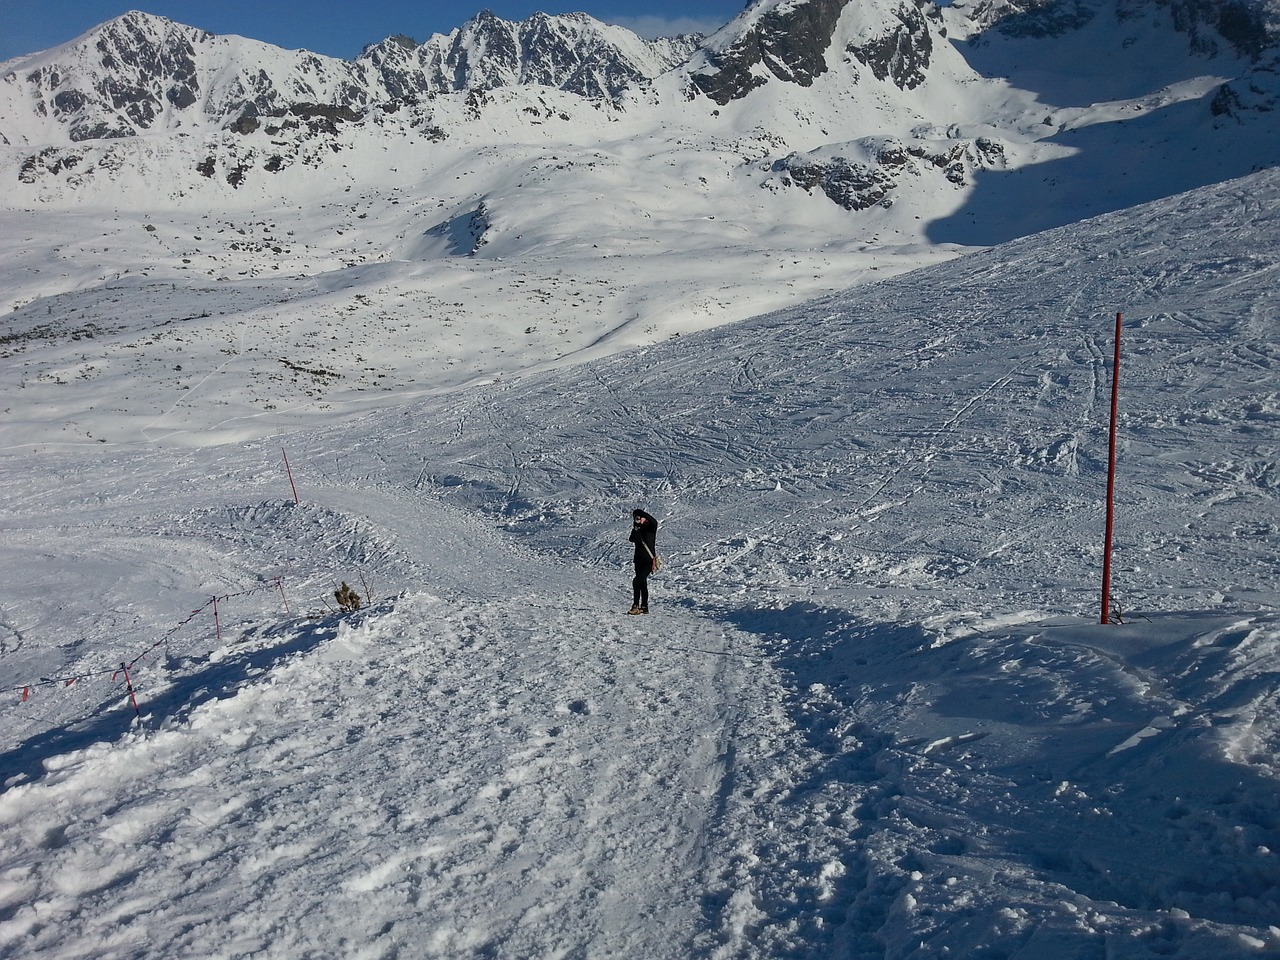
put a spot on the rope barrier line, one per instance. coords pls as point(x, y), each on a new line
point(25, 690)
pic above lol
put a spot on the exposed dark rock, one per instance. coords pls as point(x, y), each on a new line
point(903, 52)
point(334, 113)
point(569, 52)
point(1226, 102)
point(854, 186)
point(1241, 25)
point(859, 185)
point(1045, 18)
point(1207, 23)
point(49, 161)
point(790, 43)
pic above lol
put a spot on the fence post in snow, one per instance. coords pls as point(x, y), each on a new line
point(128, 682)
point(1111, 481)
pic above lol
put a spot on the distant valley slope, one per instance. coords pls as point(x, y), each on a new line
point(383, 220)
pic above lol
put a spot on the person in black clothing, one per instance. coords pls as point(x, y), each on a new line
point(644, 534)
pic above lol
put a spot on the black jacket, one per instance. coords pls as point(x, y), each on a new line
point(643, 536)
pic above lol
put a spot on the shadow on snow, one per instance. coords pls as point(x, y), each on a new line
point(186, 684)
point(1156, 817)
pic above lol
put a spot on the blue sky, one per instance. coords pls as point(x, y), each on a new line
point(337, 28)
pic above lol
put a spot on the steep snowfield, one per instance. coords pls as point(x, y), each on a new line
point(872, 714)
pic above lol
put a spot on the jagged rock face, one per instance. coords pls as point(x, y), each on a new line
point(902, 53)
point(139, 69)
point(139, 72)
point(572, 52)
point(1255, 94)
point(790, 42)
point(1242, 24)
point(1042, 18)
point(853, 185)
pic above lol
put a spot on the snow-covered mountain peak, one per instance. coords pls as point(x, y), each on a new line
point(783, 39)
point(572, 52)
point(141, 73)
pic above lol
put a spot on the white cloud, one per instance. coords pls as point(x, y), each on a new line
point(651, 26)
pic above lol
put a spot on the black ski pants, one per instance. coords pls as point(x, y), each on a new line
point(640, 585)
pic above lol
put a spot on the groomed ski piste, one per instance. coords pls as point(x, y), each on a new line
point(872, 715)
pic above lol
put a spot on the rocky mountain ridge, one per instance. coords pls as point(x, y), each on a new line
point(140, 73)
point(861, 101)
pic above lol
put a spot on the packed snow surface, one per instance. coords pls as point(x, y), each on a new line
point(872, 715)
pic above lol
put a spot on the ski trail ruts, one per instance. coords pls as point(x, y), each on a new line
point(184, 399)
point(1098, 379)
point(794, 875)
point(734, 750)
point(660, 440)
point(624, 723)
point(931, 442)
point(482, 777)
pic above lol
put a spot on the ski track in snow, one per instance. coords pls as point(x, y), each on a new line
point(871, 716)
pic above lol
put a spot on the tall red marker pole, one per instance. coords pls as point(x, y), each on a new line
point(1111, 481)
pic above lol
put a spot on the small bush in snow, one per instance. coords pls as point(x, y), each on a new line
point(348, 599)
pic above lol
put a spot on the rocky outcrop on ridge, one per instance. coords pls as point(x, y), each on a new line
point(790, 42)
point(860, 184)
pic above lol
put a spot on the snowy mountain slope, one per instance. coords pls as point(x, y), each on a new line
point(482, 270)
point(871, 715)
point(856, 406)
point(140, 73)
point(882, 136)
point(339, 257)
